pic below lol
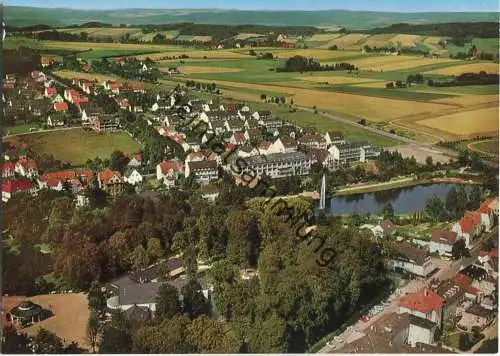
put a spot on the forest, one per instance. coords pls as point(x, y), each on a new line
point(281, 311)
point(450, 29)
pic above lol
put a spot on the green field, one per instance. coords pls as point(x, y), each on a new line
point(77, 146)
point(490, 147)
point(403, 93)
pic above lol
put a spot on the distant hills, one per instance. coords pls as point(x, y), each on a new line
point(26, 16)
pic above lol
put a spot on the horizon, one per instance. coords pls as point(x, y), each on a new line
point(412, 6)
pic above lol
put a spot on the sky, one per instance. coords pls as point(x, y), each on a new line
point(370, 5)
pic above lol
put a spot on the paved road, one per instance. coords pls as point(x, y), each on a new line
point(414, 285)
point(442, 150)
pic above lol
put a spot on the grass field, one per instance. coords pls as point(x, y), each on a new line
point(77, 146)
point(466, 123)
point(488, 67)
point(488, 147)
point(202, 69)
point(393, 63)
point(70, 318)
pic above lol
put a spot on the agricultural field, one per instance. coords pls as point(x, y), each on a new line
point(202, 69)
point(487, 147)
point(77, 146)
point(395, 63)
point(488, 67)
point(466, 123)
point(114, 32)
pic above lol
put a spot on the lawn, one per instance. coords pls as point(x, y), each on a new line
point(21, 128)
point(77, 146)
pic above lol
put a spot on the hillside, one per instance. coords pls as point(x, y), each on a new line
point(25, 16)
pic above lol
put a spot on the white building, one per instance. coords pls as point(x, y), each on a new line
point(442, 241)
point(413, 260)
point(132, 176)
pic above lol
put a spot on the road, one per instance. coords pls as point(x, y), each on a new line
point(441, 150)
point(412, 286)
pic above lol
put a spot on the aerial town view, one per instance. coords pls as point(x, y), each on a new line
point(249, 177)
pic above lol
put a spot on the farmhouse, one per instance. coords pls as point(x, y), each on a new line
point(26, 168)
point(413, 260)
point(132, 176)
point(442, 241)
point(14, 186)
point(135, 161)
point(169, 172)
point(60, 106)
point(203, 171)
point(111, 182)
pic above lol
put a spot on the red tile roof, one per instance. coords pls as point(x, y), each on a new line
point(466, 224)
point(473, 290)
point(51, 91)
point(51, 183)
point(8, 166)
point(11, 186)
point(483, 253)
point(8, 86)
point(475, 216)
point(174, 165)
point(107, 174)
point(424, 301)
point(27, 164)
point(239, 136)
point(494, 252)
point(462, 280)
point(265, 145)
point(60, 106)
point(136, 86)
point(59, 175)
point(47, 60)
point(484, 208)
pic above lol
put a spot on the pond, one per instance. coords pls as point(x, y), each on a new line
point(404, 200)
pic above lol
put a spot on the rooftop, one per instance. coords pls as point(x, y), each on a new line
point(424, 301)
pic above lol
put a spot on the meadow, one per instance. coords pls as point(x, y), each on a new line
point(77, 146)
point(488, 147)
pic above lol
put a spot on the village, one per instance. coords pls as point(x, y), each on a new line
point(451, 280)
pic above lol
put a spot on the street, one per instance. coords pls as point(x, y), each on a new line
point(449, 270)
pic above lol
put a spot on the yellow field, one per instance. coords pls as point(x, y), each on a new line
point(93, 76)
point(82, 46)
point(433, 43)
point(384, 40)
point(244, 36)
point(466, 123)
point(469, 99)
point(198, 54)
point(198, 70)
point(488, 67)
point(325, 37)
point(350, 41)
point(406, 40)
point(371, 108)
point(202, 38)
point(390, 63)
point(318, 54)
point(341, 80)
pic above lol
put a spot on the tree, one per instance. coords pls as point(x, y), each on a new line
point(139, 258)
point(116, 336)
point(93, 329)
point(459, 250)
point(451, 203)
point(263, 96)
point(168, 303)
point(154, 248)
point(435, 209)
point(118, 161)
point(429, 161)
point(462, 201)
point(270, 337)
point(168, 337)
point(46, 342)
point(474, 198)
point(14, 342)
point(97, 299)
point(194, 302)
point(209, 336)
point(387, 211)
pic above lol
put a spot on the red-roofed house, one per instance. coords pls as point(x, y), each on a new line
point(467, 229)
point(135, 160)
point(264, 147)
point(8, 169)
point(46, 61)
point(26, 168)
point(10, 187)
point(442, 241)
point(487, 218)
point(425, 304)
point(112, 86)
point(238, 138)
point(169, 171)
point(50, 91)
point(60, 106)
point(111, 182)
